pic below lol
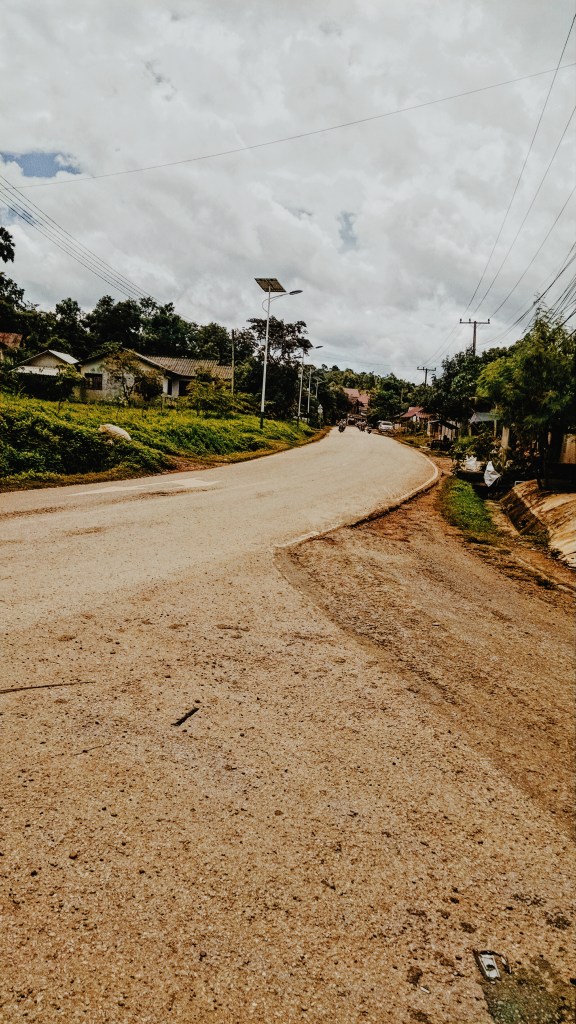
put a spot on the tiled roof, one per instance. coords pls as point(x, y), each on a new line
point(415, 410)
point(190, 367)
point(11, 341)
point(354, 395)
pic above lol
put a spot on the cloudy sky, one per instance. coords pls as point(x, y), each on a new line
point(386, 225)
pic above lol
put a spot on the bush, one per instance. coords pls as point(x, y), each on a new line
point(38, 443)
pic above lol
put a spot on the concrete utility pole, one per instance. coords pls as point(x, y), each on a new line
point(232, 335)
point(426, 370)
point(475, 323)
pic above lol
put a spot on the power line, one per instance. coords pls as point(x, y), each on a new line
point(301, 135)
point(540, 247)
point(514, 240)
point(519, 315)
point(19, 212)
point(36, 218)
point(529, 150)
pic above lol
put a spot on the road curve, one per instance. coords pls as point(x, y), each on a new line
point(69, 547)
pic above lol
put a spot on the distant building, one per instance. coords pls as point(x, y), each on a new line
point(358, 401)
point(46, 364)
point(176, 374)
point(9, 344)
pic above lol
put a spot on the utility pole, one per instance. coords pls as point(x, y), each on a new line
point(475, 323)
point(232, 335)
point(426, 370)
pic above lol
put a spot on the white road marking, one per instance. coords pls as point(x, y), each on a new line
point(176, 485)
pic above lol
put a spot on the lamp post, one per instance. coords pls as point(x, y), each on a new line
point(310, 385)
point(301, 383)
point(269, 285)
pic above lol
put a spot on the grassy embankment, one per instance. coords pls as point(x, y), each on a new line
point(40, 447)
point(463, 508)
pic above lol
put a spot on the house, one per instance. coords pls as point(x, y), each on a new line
point(186, 370)
point(358, 401)
point(176, 374)
point(46, 364)
point(442, 430)
point(9, 344)
point(415, 418)
point(481, 420)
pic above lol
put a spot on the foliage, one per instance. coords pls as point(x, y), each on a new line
point(452, 393)
point(149, 384)
point(6, 246)
point(463, 508)
point(209, 396)
point(483, 446)
point(132, 378)
point(37, 444)
point(64, 383)
point(533, 385)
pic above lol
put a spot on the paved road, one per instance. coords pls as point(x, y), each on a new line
point(156, 871)
point(68, 547)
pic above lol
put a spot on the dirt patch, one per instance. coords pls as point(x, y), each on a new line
point(473, 632)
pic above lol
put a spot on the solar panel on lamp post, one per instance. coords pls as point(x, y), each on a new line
point(269, 285)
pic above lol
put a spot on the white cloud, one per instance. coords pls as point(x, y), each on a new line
point(119, 86)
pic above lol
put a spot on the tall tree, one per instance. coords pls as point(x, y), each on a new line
point(534, 387)
point(70, 326)
point(115, 322)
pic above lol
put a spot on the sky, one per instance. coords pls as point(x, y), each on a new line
point(386, 225)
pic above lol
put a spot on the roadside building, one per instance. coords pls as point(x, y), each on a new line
point(9, 345)
point(176, 374)
point(45, 364)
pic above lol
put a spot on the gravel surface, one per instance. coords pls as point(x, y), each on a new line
point(373, 781)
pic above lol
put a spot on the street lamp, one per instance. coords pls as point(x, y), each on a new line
point(269, 285)
point(310, 385)
point(301, 383)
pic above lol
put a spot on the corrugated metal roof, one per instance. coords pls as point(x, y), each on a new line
point(484, 417)
point(63, 356)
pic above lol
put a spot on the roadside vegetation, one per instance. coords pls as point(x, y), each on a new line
point(462, 507)
point(41, 446)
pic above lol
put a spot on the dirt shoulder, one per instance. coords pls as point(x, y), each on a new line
point(481, 637)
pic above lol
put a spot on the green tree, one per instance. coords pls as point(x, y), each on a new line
point(70, 326)
point(116, 322)
point(124, 369)
point(6, 246)
point(285, 340)
point(64, 383)
point(534, 388)
point(149, 384)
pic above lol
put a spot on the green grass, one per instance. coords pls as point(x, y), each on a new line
point(461, 507)
point(39, 446)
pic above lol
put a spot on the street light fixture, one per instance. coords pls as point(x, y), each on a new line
point(310, 385)
point(269, 285)
point(301, 383)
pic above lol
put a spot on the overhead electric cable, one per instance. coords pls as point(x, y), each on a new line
point(88, 266)
point(516, 186)
point(32, 214)
point(300, 135)
point(514, 240)
point(540, 247)
point(519, 314)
